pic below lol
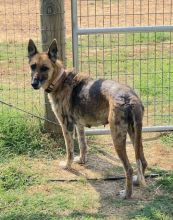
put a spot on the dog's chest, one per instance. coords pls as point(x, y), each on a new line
point(61, 108)
point(57, 107)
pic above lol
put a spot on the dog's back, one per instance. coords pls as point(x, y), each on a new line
point(92, 100)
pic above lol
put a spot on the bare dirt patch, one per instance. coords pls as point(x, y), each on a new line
point(103, 161)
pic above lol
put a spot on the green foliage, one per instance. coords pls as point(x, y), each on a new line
point(161, 208)
point(13, 178)
point(167, 139)
point(166, 182)
point(22, 136)
point(59, 203)
point(41, 215)
point(12, 51)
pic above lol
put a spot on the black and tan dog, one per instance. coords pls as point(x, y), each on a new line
point(78, 101)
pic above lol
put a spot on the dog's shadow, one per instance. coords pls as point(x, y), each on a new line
point(104, 172)
point(99, 172)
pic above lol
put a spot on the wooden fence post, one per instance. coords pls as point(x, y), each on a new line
point(52, 26)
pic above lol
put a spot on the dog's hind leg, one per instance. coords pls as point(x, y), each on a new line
point(136, 138)
point(81, 159)
point(119, 127)
point(135, 133)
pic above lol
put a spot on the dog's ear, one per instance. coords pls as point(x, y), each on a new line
point(53, 51)
point(32, 49)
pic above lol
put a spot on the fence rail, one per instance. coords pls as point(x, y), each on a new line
point(96, 43)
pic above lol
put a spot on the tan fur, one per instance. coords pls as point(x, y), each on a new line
point(78, 102)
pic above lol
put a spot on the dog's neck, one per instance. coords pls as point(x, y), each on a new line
point(57, 81)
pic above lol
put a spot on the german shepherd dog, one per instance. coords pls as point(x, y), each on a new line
point(78, 102)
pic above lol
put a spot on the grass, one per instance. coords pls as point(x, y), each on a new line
point(12, 178)
point(161, 206)
point(167, 139)
point(21, 136)
point(166, 183)
point(20, 198)
point(54, 205)
point(27, 156)
point(158, 209)
point(14, 51)
point(11, 51)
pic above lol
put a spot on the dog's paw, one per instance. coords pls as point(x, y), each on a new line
point(124, 195)
point(64, 165)
point(139, 182)
point(135, 180)
point(79, 160)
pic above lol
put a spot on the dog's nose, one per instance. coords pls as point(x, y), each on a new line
point(35, 83)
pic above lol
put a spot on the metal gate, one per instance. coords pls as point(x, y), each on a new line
point(130, 41)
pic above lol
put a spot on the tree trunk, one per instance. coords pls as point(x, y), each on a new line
point(52, 26)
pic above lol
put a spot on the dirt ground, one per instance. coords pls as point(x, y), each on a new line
point(103, 161)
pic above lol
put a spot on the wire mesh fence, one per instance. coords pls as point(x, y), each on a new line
point(141, 60)
point(19, 21)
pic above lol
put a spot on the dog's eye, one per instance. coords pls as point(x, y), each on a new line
point(44, 68)
point(33, 67)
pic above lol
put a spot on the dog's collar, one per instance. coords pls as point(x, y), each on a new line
point(55, 83)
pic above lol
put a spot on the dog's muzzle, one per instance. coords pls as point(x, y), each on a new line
point(35, 83)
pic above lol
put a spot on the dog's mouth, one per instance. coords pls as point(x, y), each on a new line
point(36, 88)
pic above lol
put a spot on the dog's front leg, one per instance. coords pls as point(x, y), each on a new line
point(81, 159)
point(68, 137)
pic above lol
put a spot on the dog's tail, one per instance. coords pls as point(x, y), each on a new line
point(135, 133)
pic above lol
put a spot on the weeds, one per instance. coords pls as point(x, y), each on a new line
point(161, 207)
point(21, 136)
point(167, 139)
point(166, 183)
point(13, 178)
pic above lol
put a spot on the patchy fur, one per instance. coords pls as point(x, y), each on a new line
point(78, 102)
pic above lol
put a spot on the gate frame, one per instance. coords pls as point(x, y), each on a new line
point(76, 31)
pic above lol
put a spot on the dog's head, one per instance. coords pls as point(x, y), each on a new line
point(42, 64)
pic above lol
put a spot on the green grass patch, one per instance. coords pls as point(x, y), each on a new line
point(166, 182)
point(161, 208)
point(14, 51)
point(60, 203)
point(14, 178)
point(124, 39)
point(167, 139)
point(23, 136)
